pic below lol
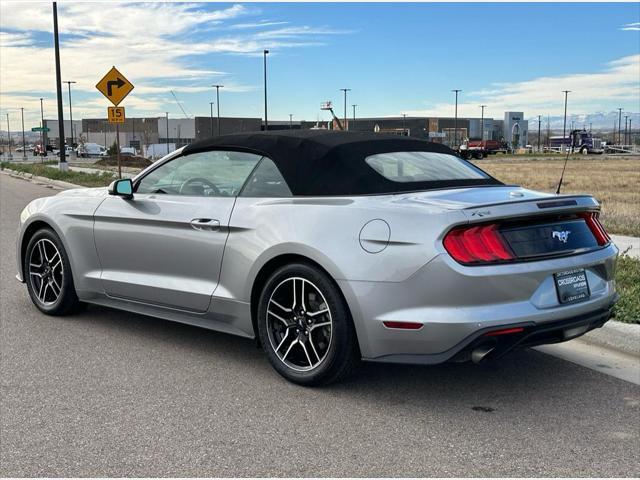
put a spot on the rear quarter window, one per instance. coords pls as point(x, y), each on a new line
point(405, 167)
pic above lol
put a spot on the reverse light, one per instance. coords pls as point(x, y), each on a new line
point(592, 221)
point(475, 244)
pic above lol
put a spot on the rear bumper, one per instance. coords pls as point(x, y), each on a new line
point(497, 346)
point(456, 305)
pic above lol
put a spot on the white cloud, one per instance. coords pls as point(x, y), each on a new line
point(156, 45)
point(617, 83)
point(631, 26)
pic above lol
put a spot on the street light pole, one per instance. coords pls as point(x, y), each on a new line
point(9, 137)
point(211, 119)
point(24, 144)
point(266, 120)
point(354, 115)
point(44, 150)
point(539, 123)
point(69, 82)
point(564, 125)
point(482, 107)
point(626, 117)
point(167, 117)
point(62, 164)
point(218, 87)
point(404, 123)
point(455, 121)
point(345, 90)
point(619, 122)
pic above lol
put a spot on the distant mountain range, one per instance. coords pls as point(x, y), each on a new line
point(600, 121)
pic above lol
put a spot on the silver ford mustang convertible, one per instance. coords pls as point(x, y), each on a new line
point(327, 248)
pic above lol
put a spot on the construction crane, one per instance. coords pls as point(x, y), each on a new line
point(329, 106)
point(179, 104)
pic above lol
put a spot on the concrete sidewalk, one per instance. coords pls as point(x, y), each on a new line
point(629, 244)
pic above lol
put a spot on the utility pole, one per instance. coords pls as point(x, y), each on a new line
point(345, 90)
point(539, 123)
point(290, 121)
point(404, 123)
point(69, 82)
point(482, 123)
point(24, 144)
point(133, 133)
point(211, 119)
point(9, 137)
point(619, 124)
point(167, 117)
point(564, 125)
point(266, 121)
point(62, 164)
point(455, 121)
point(354, 115)
point(218, 87)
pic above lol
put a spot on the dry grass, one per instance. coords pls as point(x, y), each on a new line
point(615, 182)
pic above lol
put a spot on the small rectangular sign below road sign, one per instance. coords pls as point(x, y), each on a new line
point(116, 114)
point(40, 129)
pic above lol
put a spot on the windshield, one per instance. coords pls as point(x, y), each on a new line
point(405, 167)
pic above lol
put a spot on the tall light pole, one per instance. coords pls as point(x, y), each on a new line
point(455, 121)
point(44, 150)
point(290, 121)
point(167, 118)
point(482, 107)
point(9, 136)
point(69, 82)
point(626, 117)
point(354, 115)
point(264, 57)
point(564, 125)
point(539, 123)
point(211, 119)
point(62, 164)
point(619, 123)
point(24, 144)
point(218, 87)
point(345, 90)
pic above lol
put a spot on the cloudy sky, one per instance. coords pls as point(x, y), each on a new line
point(396, 58)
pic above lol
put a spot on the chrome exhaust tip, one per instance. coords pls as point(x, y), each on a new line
point(481, 352)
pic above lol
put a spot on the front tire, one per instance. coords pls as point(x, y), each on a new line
point(48, 274)
point(305, 326)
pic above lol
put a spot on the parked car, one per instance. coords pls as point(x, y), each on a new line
point(328, 247)
point(90, 150)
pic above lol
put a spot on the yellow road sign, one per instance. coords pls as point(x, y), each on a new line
point(114, 86)
point(115, 114)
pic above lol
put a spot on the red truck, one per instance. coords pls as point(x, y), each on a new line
point(481, 148)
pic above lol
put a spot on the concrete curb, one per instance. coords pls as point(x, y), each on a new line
point(57, 184)
point(617, 336)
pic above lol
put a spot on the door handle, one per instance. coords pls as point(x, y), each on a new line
point(210, 224)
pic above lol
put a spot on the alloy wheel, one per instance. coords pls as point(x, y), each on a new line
point(46, 271)
point(299, 324)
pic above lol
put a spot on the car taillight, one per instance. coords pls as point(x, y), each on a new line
point(479, 244)
point(592, 221)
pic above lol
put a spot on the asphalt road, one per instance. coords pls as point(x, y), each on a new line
point(108, 393)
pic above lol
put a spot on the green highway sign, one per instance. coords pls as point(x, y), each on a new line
point(40, 129)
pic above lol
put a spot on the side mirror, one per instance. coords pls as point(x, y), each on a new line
point(122, 188)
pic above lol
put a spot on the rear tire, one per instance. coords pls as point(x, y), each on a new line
point(47, 272)
point(305, 326)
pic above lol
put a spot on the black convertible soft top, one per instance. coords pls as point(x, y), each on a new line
point(321, 162)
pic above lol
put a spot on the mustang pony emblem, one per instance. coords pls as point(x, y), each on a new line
point(563, 236)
